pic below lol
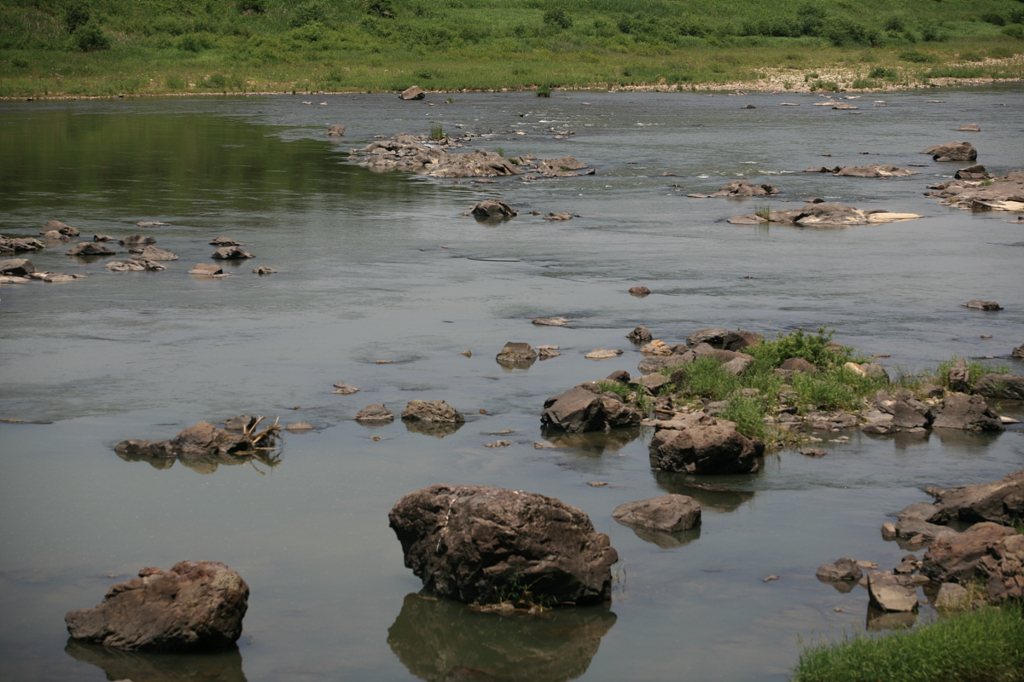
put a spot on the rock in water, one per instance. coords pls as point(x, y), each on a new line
point(889, 594)
point(231, 253)
point(952, 151)
point(197, 605)
point(640, 335)
point(669, 513)
point(415, 92)
point(968, 413)
point(840, 569)
point(91, 249)
point(982, 305)
point(484, 545)
point(701, 444)
point(434, 411)
point(336, 130)
point(516, 355)
point(18, 267)
point(376, 413)
point(493, 208)
point(585, 408)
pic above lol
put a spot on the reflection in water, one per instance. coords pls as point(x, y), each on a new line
point(207, 464)
point(665, 539)
point(221, 666)
point(711, 497)
point(443, 640)
point(435, 429)
point(842, 586)
point(879, 620)
point(594, 443)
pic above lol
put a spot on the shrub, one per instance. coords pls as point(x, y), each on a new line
point(883, 73)
point(749, 414)
point(557, 18)
point(175, 83)
point(916, 57)
point(91, 38)
point(309, 12)
point(76, 15)
point(437, 132)
point(994, 19)
point(896, 24)
point(385, 9)
point(1014, 31)
point(19, 62)
point(195, 42)
point(251, 6)
point(543, 91)
point(816, 349)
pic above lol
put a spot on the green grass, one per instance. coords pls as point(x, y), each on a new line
point(62, 47)
point(980, 646)
point(975, 370)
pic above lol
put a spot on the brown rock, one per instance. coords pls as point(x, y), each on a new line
point(668, 513)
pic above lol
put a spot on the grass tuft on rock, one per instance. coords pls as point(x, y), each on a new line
point(983, 645)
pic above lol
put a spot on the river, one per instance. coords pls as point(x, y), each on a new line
point(385, 267)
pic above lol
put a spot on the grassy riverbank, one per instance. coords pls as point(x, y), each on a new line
point(970, 647)
point(107, 47)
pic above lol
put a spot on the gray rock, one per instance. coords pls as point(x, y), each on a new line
point(551, 321)
point(640, 335)
point(58, 226)
point(873, 370)
point(151, 223)
point(336, 130)
point(668, 513)
point(10, 245)
point(657, 363)
point(967, 413)
point(103, 238)
point(478, 544)
point(999, 501)
point(889, 595)
point(922, 519)
point(619, 376)
point(516, 355)
point(208, 269)
point(415, 92)
point(584, 408)
point(639, 291)
point(299, 427)
point(740, 339)
point(910, 413)
point(341, 388)
point(90, 249)
point(134, 266)
point(816, 453)
point(973, 173)
point(493, 208)
point(970, 128)
point(713, 336)
point(155, 254)
point(1001, 386)
point(264, 270)
point(231, 253)
point(224, 241)
point(875, 170)
point(558, 215)
point(742, 188)
point(19, 267)
point(977, 304)
point(952, 151)
point(840, 569)
point(952, 597)
point(547, 352)
point(240, 422)
point(377, 413)
point(652, 382)
point(195, 606)
point(432, 411)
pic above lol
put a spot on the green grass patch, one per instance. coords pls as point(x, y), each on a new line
point(987, 644)
point(975, 370)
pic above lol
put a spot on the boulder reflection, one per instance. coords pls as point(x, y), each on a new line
point(712, 498)
point(207, 464)
point(435, 429)
point(593, 443)
point(443, 640)
point(221, 666)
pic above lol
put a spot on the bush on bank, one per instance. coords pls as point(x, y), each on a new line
point(159, 46)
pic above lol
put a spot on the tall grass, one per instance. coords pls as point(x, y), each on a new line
point(984, 645)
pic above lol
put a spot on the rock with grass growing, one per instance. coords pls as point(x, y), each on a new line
point(484, 545)
point(1000, 386)
point(700, 444)
point(586, 408)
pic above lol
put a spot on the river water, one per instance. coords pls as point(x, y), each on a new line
point(385, 267)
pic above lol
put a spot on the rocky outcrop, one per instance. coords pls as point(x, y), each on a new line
point(668, 513)
point(1018, 352)
point(195, 606)
point(484, 545)
point(1001, 386)
point(700, 444)
point(134, 266)
point(516, 355)
point(975, 172)
point(999, 501)
point(875, 170)
point(375, 414)
point(585, 408)
point(967, 413)
point(952, 151)
point(1001, 194)
point(959, 557)
point(826, 214)
point(10, 245)
point(742, 188)
point(432, 411)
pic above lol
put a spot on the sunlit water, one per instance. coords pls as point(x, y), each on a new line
point(385, 267)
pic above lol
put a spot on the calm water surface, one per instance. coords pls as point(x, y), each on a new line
point(385, 267)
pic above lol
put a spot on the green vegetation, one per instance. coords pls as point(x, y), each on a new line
point(437, 132)
point(987, 644)
point(72, 47)
point(975, 371)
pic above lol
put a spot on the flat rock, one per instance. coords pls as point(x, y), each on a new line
point(558, 215)
point(826, 214)
point(742, 188)
point(341, 388)
point(62, 228)
point(477, 543)
point(999, 501)
point(982, 305)
point(975, 172)
point(1005, 193)
point(376, 413)
point(299, 427)
point(602, 354)
point(264, 270)
point(875, 170)
point(840, 569)
point(10, 245)
point(889, 595)
point(970, 128)
point(209, 269)
point(151, 223)
point(137, 240)
point(155, 254)
point(546, 352)
point(195, 606)
point(668, 513)
point(960, 557)
point(18, 267)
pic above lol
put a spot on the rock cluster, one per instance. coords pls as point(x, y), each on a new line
point(826, 214)
point(586, 408)
point(700, 444)
point(1005, 193)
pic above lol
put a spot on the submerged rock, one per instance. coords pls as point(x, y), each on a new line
point(231, 253)
point(493, 208)
point(202, 440)
point(742, 188)
point(224, 241)
point(479, 544)
point(195, 606)
point(551, 321)
point(432, 411)
point(134, 266)
point(875, 170)
point(826, 214)
point(639, 291)
point(137, 240)
point(90, 249)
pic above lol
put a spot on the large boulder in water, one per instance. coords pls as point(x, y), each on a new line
point(967, 413)
point(586, 408)
point(18, 267)
point(700, 444)
point(999, 501)
point(1001, 386)
point(958, 557)
point(952, 151)
point(197, 605)
point(415, 92)
point(482, 545)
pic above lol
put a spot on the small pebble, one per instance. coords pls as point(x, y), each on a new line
point(597, 484)
point(770, 578)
